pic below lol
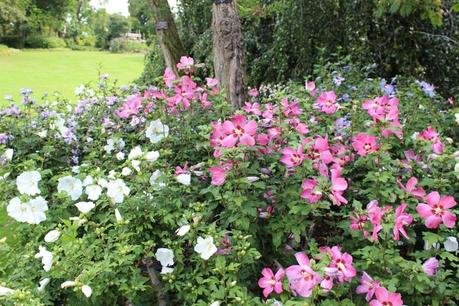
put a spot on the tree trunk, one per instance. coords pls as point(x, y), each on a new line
point(166, 31)
point(228, 50)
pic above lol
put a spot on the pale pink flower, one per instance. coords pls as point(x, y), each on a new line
point(271, 282)
point(185, 63)
point(291, 109)
point(326, 103)
point(169, 77)
point(375, 215)
point(218, 176)
point(436, 210)
point(410, 188)
point(211, 82)
point(253, 92)
point(343, 263)
point(365, 144)
point(130, 107)
point(430, 266)
point(401, 219)
point(302, 278)
point(310, 191)
point(292, 157)
point(311, 87)
point(386, 298)
point(368, 286)
point(252, 108)
point(429, 134)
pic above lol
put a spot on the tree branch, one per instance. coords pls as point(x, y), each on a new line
point(156, 283)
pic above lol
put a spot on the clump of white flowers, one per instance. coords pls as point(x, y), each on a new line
point(46, 258)
point(32, 212)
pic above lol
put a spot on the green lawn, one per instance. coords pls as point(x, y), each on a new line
point(46, 71)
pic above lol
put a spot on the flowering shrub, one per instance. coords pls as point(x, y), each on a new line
point(333, 193)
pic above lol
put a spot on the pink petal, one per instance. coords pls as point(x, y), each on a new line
point(449, 219)
point(251, 127)
point(247, 140)
point(267, 291)
point(302, 259)
point(229, 141)
point(433, 198)
point(433, 221)
point(448, 201)
point(424, 210)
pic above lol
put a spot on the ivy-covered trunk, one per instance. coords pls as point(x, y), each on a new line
point(166, 31)
point(228, 50)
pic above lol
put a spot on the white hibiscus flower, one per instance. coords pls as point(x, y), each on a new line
point(87, 291)
point(42, 284)
point(165, 257)
point(135, 153)
point(93, 192)
point(27, 182)
point(70, 185)
point(52, 236)
point(451, 244)
point(183, 230)
point(152, 156)
point(184, 179)
point(156, 131)
point(46, 258)
point(116, 190)
point(4, 291)
point(205, 247)
point(85, 207)
point(32, 212)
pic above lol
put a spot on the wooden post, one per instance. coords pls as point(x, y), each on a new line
point(228, 50)
point(166, 31)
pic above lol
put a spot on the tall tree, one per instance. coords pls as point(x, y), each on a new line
point(166, 31)
point(228, 50)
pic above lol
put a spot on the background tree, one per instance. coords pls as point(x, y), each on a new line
point(228, 50)
point(167, 34)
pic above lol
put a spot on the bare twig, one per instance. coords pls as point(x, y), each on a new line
point(444, 37)
point(161, 296)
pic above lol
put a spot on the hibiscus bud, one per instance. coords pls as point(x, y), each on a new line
point(252, 179)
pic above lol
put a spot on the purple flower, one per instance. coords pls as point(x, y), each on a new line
point(4, 138)
point(428, 89)
point(338, 80)
point(111, 100)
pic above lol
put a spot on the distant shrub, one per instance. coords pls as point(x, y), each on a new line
point(12, 41)
point(119, 45)
point(39, 41)
point(5, 50)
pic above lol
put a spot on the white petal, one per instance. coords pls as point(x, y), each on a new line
point(52, 236)
point(87, 291)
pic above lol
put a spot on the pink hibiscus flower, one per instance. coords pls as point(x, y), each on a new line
point(301, 277)
point(365, 144)
point(131, 107)
point(339, 185)
point(436, 210)
point(292, 157)
point(410, 188)
point(271, 282)
point(375, 215)
point(169, 77)
point(311, 87)
point(368, 286)
point(310, 191)
point(430, 266)
point(218, 175)
point(253, 108)
point(239, 129)
point(185, 63)
point(343, 263)
point(386, 298)
point(429, 134)
point(401, 219)
point(326, 103)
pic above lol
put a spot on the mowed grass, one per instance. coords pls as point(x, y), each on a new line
point(47, 71)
